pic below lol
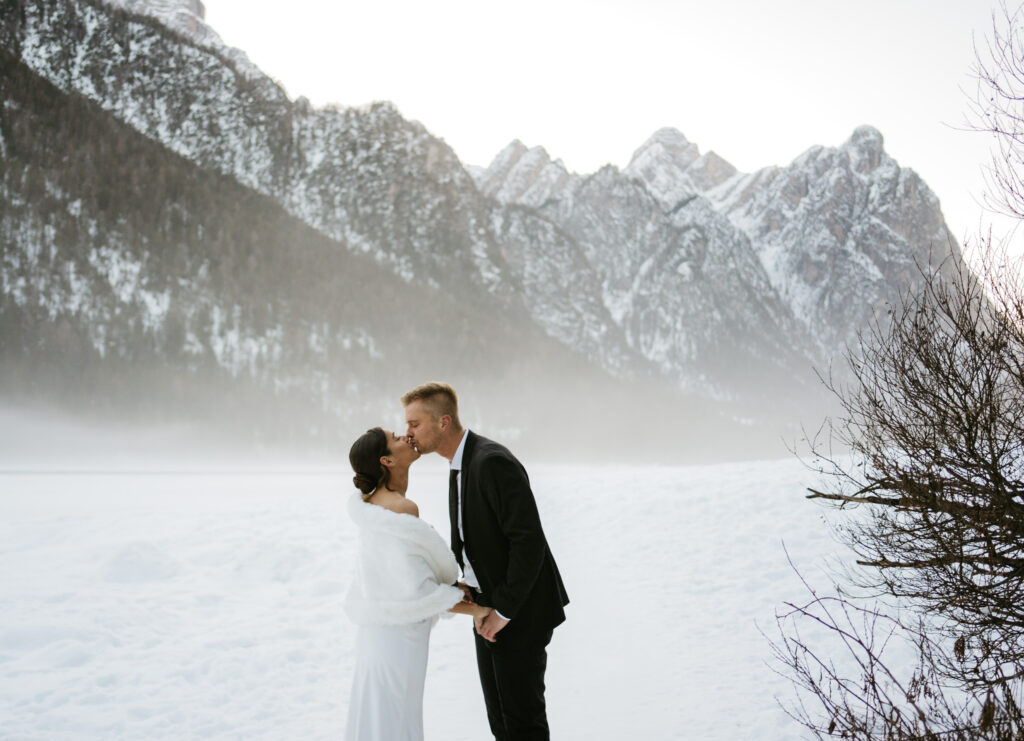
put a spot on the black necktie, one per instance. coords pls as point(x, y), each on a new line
point(453, 512)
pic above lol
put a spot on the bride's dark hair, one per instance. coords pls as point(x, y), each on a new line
point(365, 455)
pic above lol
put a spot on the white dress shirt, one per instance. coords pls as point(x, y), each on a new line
point(467, 569)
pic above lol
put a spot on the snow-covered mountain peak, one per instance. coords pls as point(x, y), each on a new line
point(523, 175)
point(667, 142)
point(507, 158)
point(193, 8)
point(866, 148)
point(673, 168)
point(187, 17)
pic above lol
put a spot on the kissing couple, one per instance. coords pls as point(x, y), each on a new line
point(406, 576)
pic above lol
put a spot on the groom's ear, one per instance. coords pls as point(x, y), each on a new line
point(446, 421)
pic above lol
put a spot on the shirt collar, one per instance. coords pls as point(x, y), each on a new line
point(457, 458)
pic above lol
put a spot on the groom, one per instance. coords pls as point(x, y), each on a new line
point(499, 543)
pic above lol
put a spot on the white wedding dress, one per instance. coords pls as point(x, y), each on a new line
point(403, 581)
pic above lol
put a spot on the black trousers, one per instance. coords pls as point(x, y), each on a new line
point(512, 678)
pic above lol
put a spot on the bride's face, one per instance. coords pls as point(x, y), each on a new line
point(401, 449)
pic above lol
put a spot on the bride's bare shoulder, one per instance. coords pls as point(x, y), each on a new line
point(406, 506)
point(396, 503)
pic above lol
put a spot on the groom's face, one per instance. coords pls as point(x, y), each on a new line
point(422, 428)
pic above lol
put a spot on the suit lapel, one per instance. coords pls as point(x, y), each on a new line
point(467, 457)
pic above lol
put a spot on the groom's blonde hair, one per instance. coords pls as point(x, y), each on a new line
point(438, 399)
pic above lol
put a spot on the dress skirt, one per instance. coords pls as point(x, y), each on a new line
point(386, 703)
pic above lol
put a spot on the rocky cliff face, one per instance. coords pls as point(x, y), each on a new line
point(840, 232)
point(673, 169)
point(184, 16)
point(708, 270)
point(525, 176)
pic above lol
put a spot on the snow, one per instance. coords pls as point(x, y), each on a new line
point(235, 347)
point(661, 163)
point(185, 17)
point(121, 271)
point(207, 604)
point(156, 304)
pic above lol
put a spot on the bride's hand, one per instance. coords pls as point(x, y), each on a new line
point(480, 615)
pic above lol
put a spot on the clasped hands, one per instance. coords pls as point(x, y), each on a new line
point(487, 622)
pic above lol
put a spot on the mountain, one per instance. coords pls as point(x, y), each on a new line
point(841, 232)
point(335, 255)
point(366, 177)
point(127, 268)
point(683, 283)
point(715, 271)
point(135, 283)
point(673, 168)
point(188, 18)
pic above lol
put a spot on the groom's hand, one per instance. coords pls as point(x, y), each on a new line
point(491, 626)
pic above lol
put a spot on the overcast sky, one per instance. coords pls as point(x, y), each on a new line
point(758, 82)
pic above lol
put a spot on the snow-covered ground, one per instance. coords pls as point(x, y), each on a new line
point(208, 605)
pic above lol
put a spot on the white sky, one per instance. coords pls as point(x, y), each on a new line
point(758, 82)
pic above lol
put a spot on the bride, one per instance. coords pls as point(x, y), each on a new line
point(405, 578)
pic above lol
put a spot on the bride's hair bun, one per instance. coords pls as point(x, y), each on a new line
point(364, 483)
point(365, 458)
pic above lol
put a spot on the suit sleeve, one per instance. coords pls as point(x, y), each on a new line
point(507, 489)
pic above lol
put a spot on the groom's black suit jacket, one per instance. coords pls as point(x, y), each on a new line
point(504, 539)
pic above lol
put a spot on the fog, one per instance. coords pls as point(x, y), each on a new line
point(49, 439)
point(538, 421)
